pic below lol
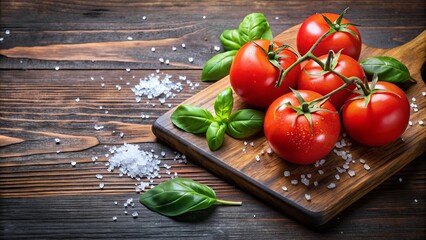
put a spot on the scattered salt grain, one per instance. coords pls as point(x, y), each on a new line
point(276, 18)
point(167, 61)
point(286, 173)
point(57, 140)
point(415, 200)
point(316, 183)
point(161, 60)
point(57, 68)
point(361, 160)
point(294, 182)
point(217, 48)
point(337, 177)
point(144, 18)
point(183, 45)
point(308, 197)
point(7, 32)
point(153, 49)
point(114, 219)
point(121, 134)
point(421, 123)
point(134, 214)
point(129, 38)
point(190, 59)
point(351, 173)
point(102, 84)
point(410, 123)
point(269, 150)
point(331, 185)
point(366, 167)
point(98, 127)
point(57, 152)
point(204, 17)
point(257, 158)
point(424, 94)
point(1, 39)
point(73, 163)
point(115, 203)
point(77, 99)
point(174, 48)
point(99, 176)
point(400, 179)
point(321, 172)
point(92, 78)
point(284, 188)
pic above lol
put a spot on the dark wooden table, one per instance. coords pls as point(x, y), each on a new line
point(67, 66)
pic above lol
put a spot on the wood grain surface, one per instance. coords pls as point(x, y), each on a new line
point(42, 196)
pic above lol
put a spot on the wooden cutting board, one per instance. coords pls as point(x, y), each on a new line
point(236, 160)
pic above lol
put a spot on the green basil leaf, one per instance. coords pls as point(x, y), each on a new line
point(192, 119)
point(254, 26)
point(223, 104)
point(245, 123)
point(218, 66)
point(215, 135)
point(180, 195)
point(231, 40)
point(387, 69)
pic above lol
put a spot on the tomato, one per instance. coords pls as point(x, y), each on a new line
point(290, 135)
point(315, 26)
point(311, 78)
point(253, 77)
point(382, 121)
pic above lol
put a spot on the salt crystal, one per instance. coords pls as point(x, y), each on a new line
point(337, 176)
point(57, 152)
point(361, 160)
point(1, 40)
point(305, 181)
point(331, 185)
point(161, 60)
point(217, 48)
point(92, 78)
point(114, 219)
point(73, 163)
point(99, 176)
point(252, 144)
point(294, 182)
point(410, 123)
point(421, 123)
point(134, 214)
point(286, 173)
point(366, 167)
point(101, 185)
point(125, 212)
point(276, 18)
point(321, 172)
point(284, 188)
point(400, 179)
point(102, 84)
point(77, 99)
point(183, 45)
point(204, 17)
point(144, 18)
point(307, 197)
point(351, 173)
point(415, 200)
point(269, 150)
point(121, 134)
point(413, 99)
point(190, 59)
point(173, 48)
point(153, 49)
point(118, 87)
point(57, 140)
point(167, 61)
point(424, 94)
point(129, 38)
point(115, 203)
point(257, 158)
point(57, 68)
point(98, 127)
point(7, 32)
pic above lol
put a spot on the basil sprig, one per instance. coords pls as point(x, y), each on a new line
point(253, 27)
point(388, 69)
point(240, 124)
point(180, 195)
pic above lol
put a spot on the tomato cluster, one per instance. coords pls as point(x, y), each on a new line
point(303, 125)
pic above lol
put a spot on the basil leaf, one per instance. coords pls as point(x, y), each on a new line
point(180, 195)
point(192, 119)
point(215, 135)
point(387, 69)
point(255, 26)
point(231, 39)
point(218, 66)
point(245, 123)
point(223, 104)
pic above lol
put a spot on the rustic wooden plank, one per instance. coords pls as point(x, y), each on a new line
point(99, 32)
point(265, 177)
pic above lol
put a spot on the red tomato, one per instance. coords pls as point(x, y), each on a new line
point(311, 79)
point(253, 77)
point(291, 137)
point(383, 120)
point(315, 26)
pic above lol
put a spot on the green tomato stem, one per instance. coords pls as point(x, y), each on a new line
point(229, 203)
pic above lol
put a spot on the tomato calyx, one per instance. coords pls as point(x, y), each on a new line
point(274, 57)
point(307, 108)
point(338, 26)
point(365, 90)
